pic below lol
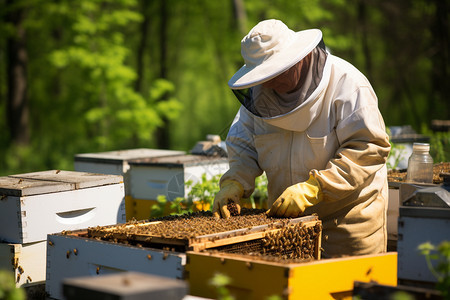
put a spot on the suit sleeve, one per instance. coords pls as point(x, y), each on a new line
point(364, 148)
point(242, 155)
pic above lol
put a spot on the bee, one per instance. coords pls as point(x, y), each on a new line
point(149, 256)
point(75, 251)
point(50, 243)
point(97, 270)
point(20, 269)
point(165, 255)
point(3, 197)
point(18, 277)
point(57, 171)
point(29, 279)
point(20, 181)
point(15, 262)
point(68, 254)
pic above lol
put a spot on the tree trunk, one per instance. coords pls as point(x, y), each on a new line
point(240, 16)
point(142, 46)
point(440, 59)
point(17, 110)
point(362, 20)
point(162, 133)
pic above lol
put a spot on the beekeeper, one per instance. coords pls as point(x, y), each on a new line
point(311, 122)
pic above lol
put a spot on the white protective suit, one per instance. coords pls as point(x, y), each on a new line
point(335, 132)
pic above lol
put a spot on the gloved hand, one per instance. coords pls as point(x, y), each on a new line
point(229, 190)
point(296, 198)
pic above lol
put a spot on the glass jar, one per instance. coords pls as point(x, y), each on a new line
point(420, 164)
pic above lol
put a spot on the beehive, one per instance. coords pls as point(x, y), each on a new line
point(132, 247)
point(26, 261)
point(117, 162)
point(166, 176)
point(73, 254)
point(255, 278)
point(251, 232)
point(33, 205)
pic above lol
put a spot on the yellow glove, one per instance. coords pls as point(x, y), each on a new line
point(296, 198)
point(229, 190)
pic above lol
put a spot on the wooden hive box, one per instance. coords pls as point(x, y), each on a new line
point(26, 261)
point(124, 286)
point(167, 176)
point(33, 205)
point(117, 162)
point(74, 255)
point(111, 249)
point(253, 278)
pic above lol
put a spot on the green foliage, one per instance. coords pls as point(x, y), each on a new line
point(201, 197)
point(158, 209)
point(439, 144)
point(83, 68)
point(396, 155)
point(204, 191)
point(440, 255)
point(8, 290)
point(259, 195)
point(220, 282)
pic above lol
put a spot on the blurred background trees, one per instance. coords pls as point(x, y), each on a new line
point(99, 75)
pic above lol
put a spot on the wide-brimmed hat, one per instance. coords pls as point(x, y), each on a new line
point(269, 49)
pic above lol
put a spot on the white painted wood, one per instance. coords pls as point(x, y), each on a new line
point(167, 176)
point(78, 180)
point(26, 187)
point(29, 219)
point(393, 213)
point(125, 155)
point(95, 258)
point(26, 261)
point(117, 162)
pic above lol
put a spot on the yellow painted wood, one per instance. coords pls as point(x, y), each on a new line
point(250, 280)
point(334, 278)
point(137, 208)
point(323, 279)
point(140, 209)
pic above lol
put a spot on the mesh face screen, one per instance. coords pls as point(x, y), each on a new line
point(267, 103)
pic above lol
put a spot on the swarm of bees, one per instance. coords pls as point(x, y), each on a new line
point(283, 240)
point(292, 242)
point(232, 208)
point(193, 224)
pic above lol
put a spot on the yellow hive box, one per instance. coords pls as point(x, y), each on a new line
point(257, 279)
point(140, 209)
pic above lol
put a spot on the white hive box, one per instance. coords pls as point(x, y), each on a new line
point(116, 162)
point(26, 261)
point(73, 255)
point(167, 176)
point(35, 204)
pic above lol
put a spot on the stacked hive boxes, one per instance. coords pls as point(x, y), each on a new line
point(149, 173)
point(167, 176)
point(36, 204)
point(117, 163)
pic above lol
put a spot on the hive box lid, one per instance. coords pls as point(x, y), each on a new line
point(53, 181)
point(127, 285)
point(179, 161)
point(117, 157)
